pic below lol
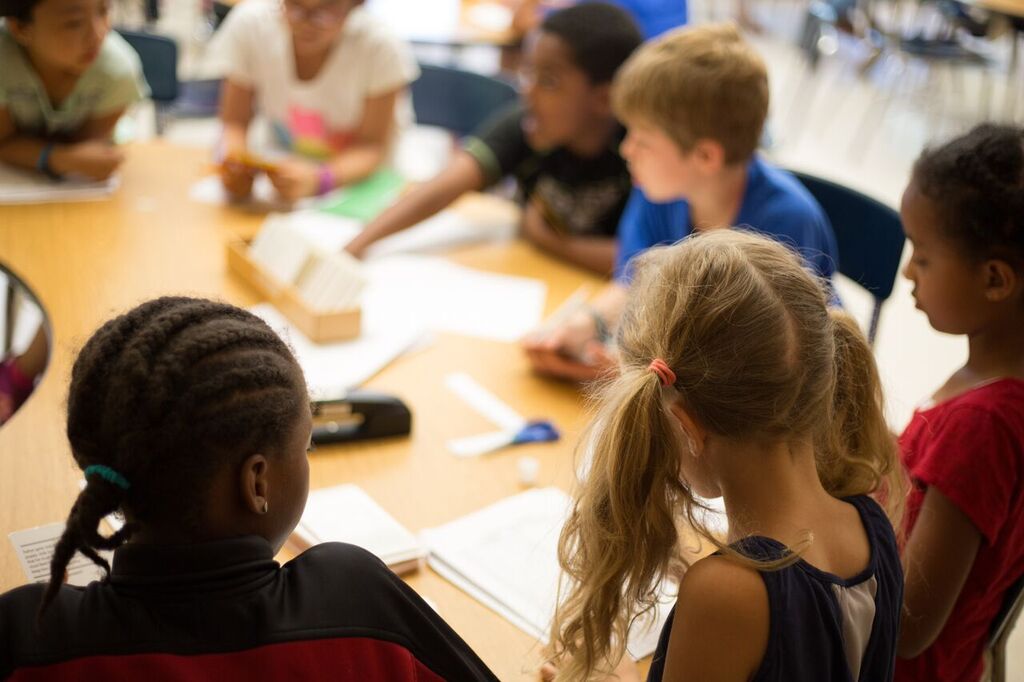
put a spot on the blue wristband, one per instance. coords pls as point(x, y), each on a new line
point(43, 162)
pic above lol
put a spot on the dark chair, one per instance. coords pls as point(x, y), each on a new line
point(159, 56)
point(1013, 603)
point(458, 100)
point(869, 236)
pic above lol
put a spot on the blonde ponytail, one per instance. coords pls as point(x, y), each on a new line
point(857, 453)
point(629, 501)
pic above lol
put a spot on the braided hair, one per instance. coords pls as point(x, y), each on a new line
point(165, 395)
point(976, 182)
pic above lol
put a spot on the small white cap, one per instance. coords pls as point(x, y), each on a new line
point(528, 468)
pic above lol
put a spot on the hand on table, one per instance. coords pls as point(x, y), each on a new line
point(570, 350)
point(237, 177)
point(94, 159)
point(295, 179)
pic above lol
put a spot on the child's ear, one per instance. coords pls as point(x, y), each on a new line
point(709, 155)
point(255, 483)
point(693, 431)
point(21, 31)
point(1001, 280)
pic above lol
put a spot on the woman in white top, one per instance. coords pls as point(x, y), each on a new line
point(328, 78)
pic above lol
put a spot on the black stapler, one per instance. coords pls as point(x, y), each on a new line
point(360, 415)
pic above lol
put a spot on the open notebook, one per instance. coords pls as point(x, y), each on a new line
point(345, 513)
point(505, 556)
point(27, 187)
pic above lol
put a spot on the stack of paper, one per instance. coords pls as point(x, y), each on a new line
point(333, 368)
point(27, 187)
point(506, 556)
point(325, 280)
point(346, 513)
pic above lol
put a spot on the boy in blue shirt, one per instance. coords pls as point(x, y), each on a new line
point(695, 102)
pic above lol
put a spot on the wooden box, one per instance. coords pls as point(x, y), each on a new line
point(321, 327)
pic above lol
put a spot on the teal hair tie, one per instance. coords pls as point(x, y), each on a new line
point(108, 475)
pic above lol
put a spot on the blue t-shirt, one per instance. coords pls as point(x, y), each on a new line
point(654, 17)
point(774, 204)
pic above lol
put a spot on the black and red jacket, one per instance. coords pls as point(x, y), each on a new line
point(227, 611)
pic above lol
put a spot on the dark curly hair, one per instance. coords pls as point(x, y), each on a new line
point(165, 395)
point(977, 183)
point(601, 36)
point(18, 9)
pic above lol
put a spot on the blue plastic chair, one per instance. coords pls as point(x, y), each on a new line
point(458, 100)
point(869, 236)
point(159, 56)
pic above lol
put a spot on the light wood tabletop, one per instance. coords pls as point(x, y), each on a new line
point(1013, 8)
point(89, 261)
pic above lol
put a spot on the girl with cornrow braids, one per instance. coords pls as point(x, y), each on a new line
point(736, 380)
point(963, 212)
point(192, 418)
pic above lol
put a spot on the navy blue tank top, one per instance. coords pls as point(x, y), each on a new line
point(824, 627)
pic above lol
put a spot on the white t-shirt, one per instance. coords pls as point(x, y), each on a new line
point(318, 117)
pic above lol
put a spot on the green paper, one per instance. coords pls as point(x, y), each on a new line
point(365, 200)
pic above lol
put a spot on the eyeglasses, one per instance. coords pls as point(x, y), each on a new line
point(321, 16)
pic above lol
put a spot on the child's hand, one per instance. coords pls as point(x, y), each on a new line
point(294, 179)
point(236, 177)
point(95, 159)
point(569, 351)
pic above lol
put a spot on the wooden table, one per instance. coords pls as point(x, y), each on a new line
point(1010, 8)
point(89, 261)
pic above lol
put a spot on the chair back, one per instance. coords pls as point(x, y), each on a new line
point(159, 56)
point(869, 236)
point(458, 100)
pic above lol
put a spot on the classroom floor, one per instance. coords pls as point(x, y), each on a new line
point(861, 131)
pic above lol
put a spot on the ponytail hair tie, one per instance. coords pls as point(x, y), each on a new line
point(108, 475)
point(664, 372)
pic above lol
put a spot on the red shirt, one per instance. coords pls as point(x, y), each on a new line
point(971, 448)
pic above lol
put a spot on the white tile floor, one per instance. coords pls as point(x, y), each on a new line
point(864, 132)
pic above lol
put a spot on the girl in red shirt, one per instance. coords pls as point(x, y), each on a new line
point(963, 212)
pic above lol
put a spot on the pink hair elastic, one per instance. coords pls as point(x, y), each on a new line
point(664, 372)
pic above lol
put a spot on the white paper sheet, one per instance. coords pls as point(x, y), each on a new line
point(34, 548)
point(443, 296)
point(444, 231)
point(26, 187)
point(505, 555)
point(345, 513)
point(333, 368)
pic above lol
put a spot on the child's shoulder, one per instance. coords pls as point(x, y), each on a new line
point(117, 59)
point(15, 65)
point(780, 192)
point(328, 560)
point(1002, 398)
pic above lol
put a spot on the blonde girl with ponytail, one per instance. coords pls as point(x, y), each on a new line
point(736, 380)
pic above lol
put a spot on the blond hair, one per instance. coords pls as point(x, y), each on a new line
point(757, 354)
point(697, 83)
